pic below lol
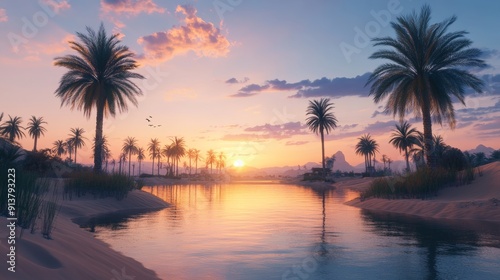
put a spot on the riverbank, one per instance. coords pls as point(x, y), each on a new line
point(74, 253)
point(478, 201)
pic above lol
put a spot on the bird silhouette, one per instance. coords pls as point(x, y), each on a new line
point(150, 117)
point(150, 125)
point(148, 120)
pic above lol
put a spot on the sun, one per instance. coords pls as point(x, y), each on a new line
point(238, 163)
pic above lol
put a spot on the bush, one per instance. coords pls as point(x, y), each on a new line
point(99, 185)
point(419, 184)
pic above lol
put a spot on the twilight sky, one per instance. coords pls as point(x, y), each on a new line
point(236, 75)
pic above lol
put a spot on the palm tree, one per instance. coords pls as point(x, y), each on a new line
point(140, 157)
point(428, 66)
point(129, 147)
point(221, 161)
point(98, 76)
point(70, 147)
point(35, 129)
point(403, 138)
point(179, 150)
point(210, 160)
point(367, 147)
point(196, 157)
point(384, 160)
point(321, 120)
point(77, 139)
point(153, 146)
point(123, 160)
point(59, 147)
point(168, 152)
point(190, 154)
point(389, 161)
point(12, 129)
point(113, 162)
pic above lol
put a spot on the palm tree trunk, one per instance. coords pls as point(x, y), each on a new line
point(34, 147)
point(140, 167)
point(98, 137)
point(429, 152)
point(196, 168)
point(406, 157)
point(323, 152)
point(189, 165)
point(76, 148)
point(153, 165)
point(129, 160)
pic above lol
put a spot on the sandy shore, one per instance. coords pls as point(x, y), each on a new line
point(74, 253)
point(479, 200)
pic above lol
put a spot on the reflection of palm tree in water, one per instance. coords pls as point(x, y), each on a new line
point(323, 252)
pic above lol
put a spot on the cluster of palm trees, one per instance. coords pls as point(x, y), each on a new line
point(427, 67)
point(71, 145)
point(12, 129)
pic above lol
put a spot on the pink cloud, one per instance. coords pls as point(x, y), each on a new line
point(57, 6)
point(3, 15)
point(196, 35)
point(130, 7)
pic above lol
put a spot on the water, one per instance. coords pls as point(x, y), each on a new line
point(274, 231)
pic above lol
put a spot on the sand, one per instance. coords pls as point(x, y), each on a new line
point(478, 201)
point(74, 253)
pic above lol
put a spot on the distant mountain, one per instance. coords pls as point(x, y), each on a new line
point(341, 164)
point(482, 149)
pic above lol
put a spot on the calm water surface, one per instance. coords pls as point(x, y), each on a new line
point(274, 231)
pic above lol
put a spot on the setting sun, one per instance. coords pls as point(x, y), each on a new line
point(238, 163)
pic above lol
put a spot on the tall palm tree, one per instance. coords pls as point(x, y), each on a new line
point(321, 120)
point(190, 154)
point(12, 129)
point(35, 129)
point(123, 160)
point(99, 76)
point(168, 152)
point(221, 161)
point(77, 139)
point(59, 147)
point(403, 138)
point(428, 65)
point(179, 150)
point(210, 160)
point(70, 148)
point(367, 147)
point(129, 147)
point(113, 162)
point(384, 160)
point(196, 157)
point(140, 157)
point(153, 146)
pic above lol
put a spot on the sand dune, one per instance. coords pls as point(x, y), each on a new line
point(479, 200)
point(74, 253)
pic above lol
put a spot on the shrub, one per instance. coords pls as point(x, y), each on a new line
point(422, 183)
point(99, 185)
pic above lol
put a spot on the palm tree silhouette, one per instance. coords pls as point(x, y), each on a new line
point(404, 137)
point(140, 157)
point(70, 147)
point(221, 161)
point(59, 147)
point(153, 146)
point(77, 139)
point(179, 150)
point(321, 120)
point(190, 154)
point(129, 147)
point(12, 129)
point(428, 66)
point(99, 76)
point(35, 129)
point(168, 152)
point(196, 157)
point(367, 147)
point(210, 160)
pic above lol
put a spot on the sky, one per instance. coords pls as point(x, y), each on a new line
point(236, 76)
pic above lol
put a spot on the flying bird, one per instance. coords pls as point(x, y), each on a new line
point(148, 120)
